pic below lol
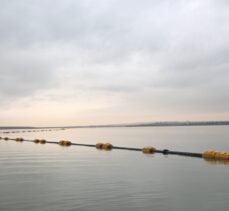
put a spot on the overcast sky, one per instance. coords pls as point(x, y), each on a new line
point(113, 61)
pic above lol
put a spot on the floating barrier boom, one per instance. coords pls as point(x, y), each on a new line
point(147, 150)
point(209, 155)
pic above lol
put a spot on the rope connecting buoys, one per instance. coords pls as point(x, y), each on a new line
point(65, 143)
point(217, 155)
point(19, 139)
point(165, 151)
point(148, 150)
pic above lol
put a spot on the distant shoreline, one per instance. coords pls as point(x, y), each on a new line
point(152, 124)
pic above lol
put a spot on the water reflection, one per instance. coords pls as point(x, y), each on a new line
point(50, 177)
point(217, 162)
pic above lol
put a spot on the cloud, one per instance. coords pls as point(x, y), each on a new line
point(23, 72)
point(161, 56)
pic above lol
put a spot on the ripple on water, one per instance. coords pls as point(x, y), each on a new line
point(50, 177)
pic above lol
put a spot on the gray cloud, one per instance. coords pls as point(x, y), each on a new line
point(23, 73)
point(165, 53)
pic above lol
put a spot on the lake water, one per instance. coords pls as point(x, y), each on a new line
point(50, 177)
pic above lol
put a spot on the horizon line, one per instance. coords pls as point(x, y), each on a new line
point(136, 124)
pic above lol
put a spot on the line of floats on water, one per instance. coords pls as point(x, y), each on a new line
point(212, 156)
point(30, 131)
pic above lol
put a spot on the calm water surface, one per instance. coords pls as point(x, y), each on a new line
point(50, 177)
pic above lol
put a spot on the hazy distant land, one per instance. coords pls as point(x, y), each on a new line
point(149, 124)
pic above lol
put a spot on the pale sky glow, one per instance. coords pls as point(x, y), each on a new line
point(111, 61)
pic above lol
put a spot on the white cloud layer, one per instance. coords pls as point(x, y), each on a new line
point(113, 61)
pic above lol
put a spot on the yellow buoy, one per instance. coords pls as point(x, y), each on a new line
point(99, 146)
point(225, 156)
point(209, 154)
point(107, 146)
point(61, 142)
point(42, 141)
point(228, 155)
point(19, 139)
point(36, 141)
point(148, 150)
point(6, 138)
point(65, 143)
point(221, 156)
point(217, 155)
